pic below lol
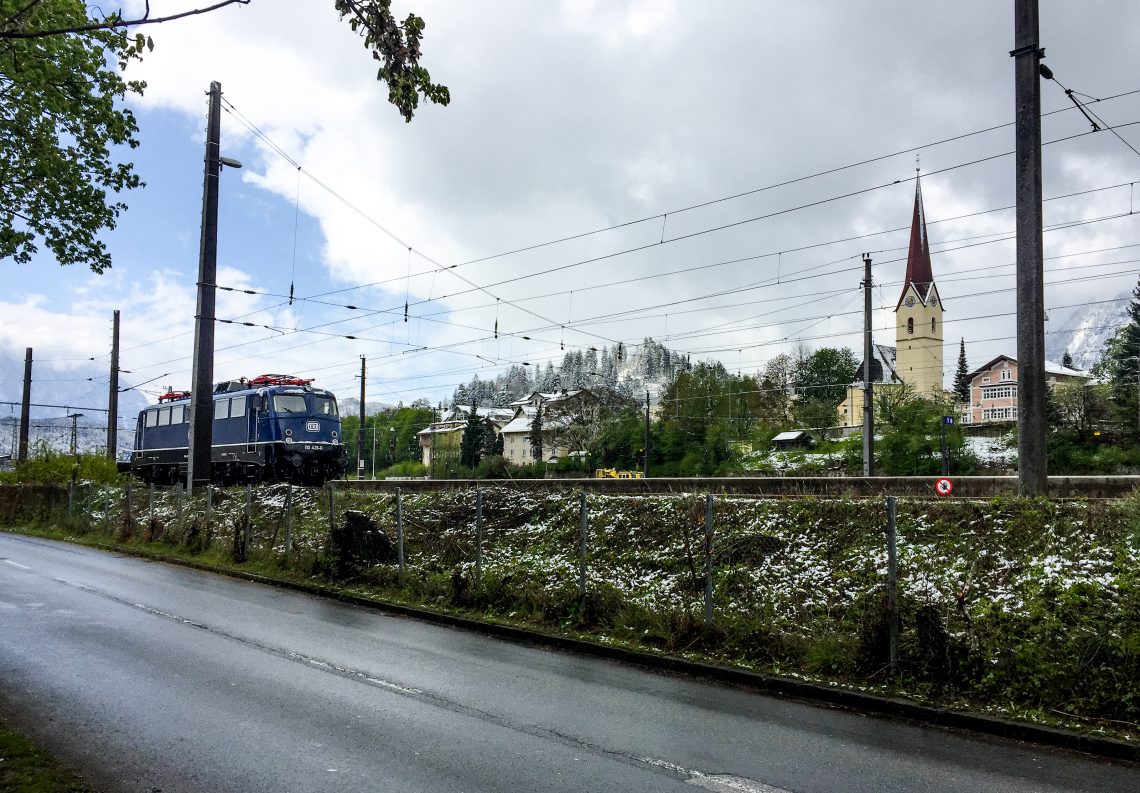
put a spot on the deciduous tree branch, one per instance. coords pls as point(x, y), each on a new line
point(110, 23)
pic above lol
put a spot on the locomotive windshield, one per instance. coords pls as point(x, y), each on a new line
point(324, 405)
point(289, 403)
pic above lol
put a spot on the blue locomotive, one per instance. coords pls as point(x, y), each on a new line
point(270, 428)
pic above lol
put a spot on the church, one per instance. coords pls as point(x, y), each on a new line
point(916, 358)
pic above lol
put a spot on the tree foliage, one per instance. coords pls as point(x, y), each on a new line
point(397, 46)
point(825, 373)
point(703, 412)
point(962, 375)
point(61, 118)
point(58, 125)
point(536, 432)
point(911, 436)
point(1120, 365)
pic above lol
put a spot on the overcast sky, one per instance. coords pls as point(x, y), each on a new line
point(576, 117)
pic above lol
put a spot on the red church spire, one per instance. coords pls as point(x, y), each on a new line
point(918, 270)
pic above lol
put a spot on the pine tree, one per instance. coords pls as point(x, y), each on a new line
point(470, 446)
point(962, 375)
point(536, 436)
point(1067, 360)
point(1123, 361)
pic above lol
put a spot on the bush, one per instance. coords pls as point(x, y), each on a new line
point(406, 468)
point(45, 466)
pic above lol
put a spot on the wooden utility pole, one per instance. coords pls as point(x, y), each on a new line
point(201, 430)
point(113, 393)
point(25, 407)
point(868, 387)
point(1032, 473)
point(360, 434)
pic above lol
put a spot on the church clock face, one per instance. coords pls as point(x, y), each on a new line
point(909, 302)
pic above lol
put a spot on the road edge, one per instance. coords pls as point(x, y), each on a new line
point(1107, 748)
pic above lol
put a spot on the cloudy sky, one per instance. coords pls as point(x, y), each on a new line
point(706, 174)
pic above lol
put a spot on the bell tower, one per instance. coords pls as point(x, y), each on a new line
point(918, 314)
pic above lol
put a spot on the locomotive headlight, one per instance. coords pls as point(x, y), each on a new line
point(334, 433)
point(288, 433)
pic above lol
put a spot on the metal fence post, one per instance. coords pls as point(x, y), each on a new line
point(892, 585)
point(583, 518)
point(246, 536)
point(106, 508)
point(478, 538)
point(70, 498)
point(209, 506)
point(288, 521)
point(130, 506)
point(181, 499)
point(332, 507)
point(708, 562)
point(400, 531)
point(150, 502)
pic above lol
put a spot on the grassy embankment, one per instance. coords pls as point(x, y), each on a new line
point(1026, 609)
point(26, 769)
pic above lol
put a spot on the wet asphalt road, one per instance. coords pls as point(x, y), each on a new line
point(147, 677)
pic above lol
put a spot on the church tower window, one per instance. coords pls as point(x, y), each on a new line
point(933, 326)
point(910, 326)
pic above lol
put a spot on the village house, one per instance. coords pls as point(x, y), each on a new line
point(440, 439)
point(561, 411)
point(993, 389)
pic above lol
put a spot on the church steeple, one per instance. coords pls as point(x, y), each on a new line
point(918, 315)
point(918, 271)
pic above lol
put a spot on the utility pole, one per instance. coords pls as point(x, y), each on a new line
point(113, 393)
point(646, 459)
point(360, 433)
point(201, 432)
point(868, 386)
point(1032, 472)
point(25, 407)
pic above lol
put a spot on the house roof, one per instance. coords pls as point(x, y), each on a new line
point(524, 416)
point(547, 396)
point(790, 435)
point(461, 412)
point(1051, 367)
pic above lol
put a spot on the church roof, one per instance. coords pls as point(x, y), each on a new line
point(918, 270)
point(883, 365)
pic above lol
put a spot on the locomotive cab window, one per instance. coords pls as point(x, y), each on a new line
point(237, 406)
point(152, 418)
point(221, 409)
point(289, 403)
point(163, 417)
point(324, 405)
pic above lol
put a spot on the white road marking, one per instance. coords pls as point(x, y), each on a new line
point(722, 783)
point(15, 564)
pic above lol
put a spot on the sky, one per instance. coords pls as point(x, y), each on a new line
point(706, 174)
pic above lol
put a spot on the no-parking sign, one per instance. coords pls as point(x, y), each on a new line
point(944, 487)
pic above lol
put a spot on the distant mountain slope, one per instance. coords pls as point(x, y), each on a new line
point(1082, 331)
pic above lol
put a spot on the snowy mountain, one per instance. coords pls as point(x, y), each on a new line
point(647, 366)
point(1082, 331)
point(82, 390)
